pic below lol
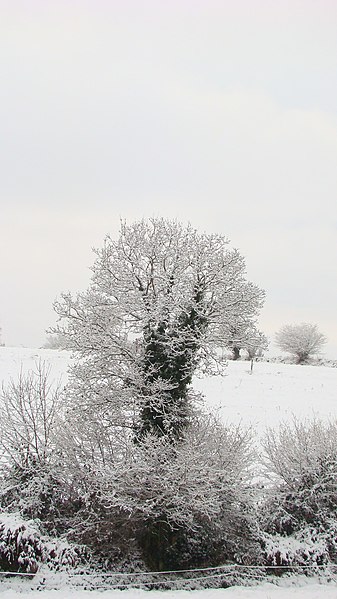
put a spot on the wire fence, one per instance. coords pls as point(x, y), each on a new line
point(218, 576)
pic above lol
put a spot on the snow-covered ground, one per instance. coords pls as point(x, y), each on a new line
point(15, 359)
point(308, 590)
point(273, 392)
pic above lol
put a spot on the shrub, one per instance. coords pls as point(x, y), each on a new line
point(302, 502)
point(189, 503)
point(34, 479)
point(23, 547)
point(306, 548)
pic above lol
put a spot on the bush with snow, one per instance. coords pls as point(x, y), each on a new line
point(23, 548)
point(305, 548)
point(192, 501)
point(181, 504)
point(33, 479)
point(302, 502)
point(29, 409)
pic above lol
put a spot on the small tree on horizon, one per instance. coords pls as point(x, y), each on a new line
point(256, 344)
point(301, 341)
point(245, 336)
point(54, 341)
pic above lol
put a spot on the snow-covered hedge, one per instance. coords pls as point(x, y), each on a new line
point(23, 548)
point(300, 515)
point(306, 548)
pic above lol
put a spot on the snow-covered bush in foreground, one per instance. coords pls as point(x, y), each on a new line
point(23, 548)
point(306, 548)
point(180, 504)
point(191, 501)
point(33, 479)
point(302, 504)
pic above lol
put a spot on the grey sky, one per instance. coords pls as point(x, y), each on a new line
point(218, 112)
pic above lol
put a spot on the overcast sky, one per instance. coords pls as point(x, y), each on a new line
point(222, 113)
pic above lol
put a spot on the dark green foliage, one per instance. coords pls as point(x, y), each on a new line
point(169, 363)
point(165, 548)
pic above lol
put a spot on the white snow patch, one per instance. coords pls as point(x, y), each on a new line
point(310, 590)
point(272, 393)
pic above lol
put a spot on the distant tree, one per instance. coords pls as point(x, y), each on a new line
point(256, 343)
point(244, 335)
point(301, 340)
point(234, 334)
point(54, 341)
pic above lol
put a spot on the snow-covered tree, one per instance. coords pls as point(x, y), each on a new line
point(301, 341)
point(235, 334)
point(247, 337)
point(53, 342)
point(158, 309)
point(256, 343)
point(30, 408)
point(157, 312)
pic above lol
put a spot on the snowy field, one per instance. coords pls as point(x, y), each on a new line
point(15, 359)
point(273, 392)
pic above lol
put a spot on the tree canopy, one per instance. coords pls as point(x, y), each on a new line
point(160, 308)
